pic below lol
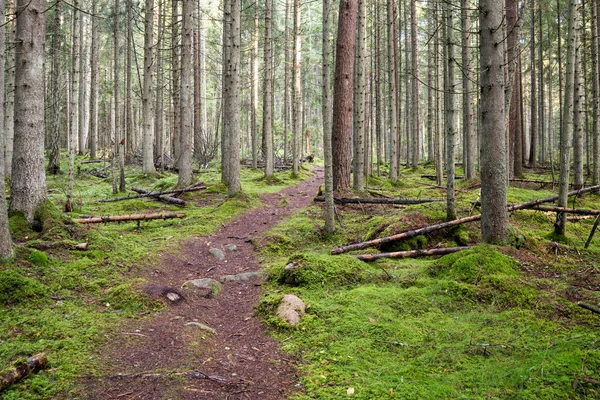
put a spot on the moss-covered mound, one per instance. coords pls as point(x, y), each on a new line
point(306, 269)
point(16, 288)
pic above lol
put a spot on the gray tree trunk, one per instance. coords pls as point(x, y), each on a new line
point(186, 130)
point(392, 99)
point(82, 132)
point(567, 115)
point(495, 226)
point(468, 126)
point(175, 83)
point(359, 120)
point(148, 91)
point(415, 123)
point(596, 94)
point(6, 249)
point(254, 91)
point(287, 101)
point(74, 118)
point(159, 117)
point(578, 121)
point(534, 106)
point(450, 111)
point(267, 123)
point(379, 115)
point(9, 118)
point(94, 75)
point(28, 183)
point(327, 115)
point(54, 153)
point(297, 84)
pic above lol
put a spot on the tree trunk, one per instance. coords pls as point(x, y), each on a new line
point(186, 131)
point(450, 111)
point(297, 84)
point(267, 126)
point(327, 116)
point(74, 117)
point(415, 123)
point(175, 84)
point(148, 90)
point(198, 134)
point(359, 99)
point(467, 120)
point(595, 93)
point(287, 73)
point(392, 100)
point(567, 115)
point(495, 226)
point(379, 113)
point(6, 249)
point(94, 79)
point(119, 137)
point(578, 122)
point(28, 183)
point(82, 132)
point(54, 153)
point(254, 92)
point(342, 95)
point(439, 138)
point(159, 117)
point(9, 118)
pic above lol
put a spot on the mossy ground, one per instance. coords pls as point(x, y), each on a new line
point(492, 322)
point(68, 303)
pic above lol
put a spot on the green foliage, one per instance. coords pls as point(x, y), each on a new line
point(16, 288)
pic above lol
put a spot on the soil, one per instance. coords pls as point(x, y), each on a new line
point(150, 357)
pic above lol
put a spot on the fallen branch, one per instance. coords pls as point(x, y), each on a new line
point(579, 217)
point(589, 240)
point(166, 199)
point(122, 218)
point(433, 177)
point(153, 194)
point(579, 211)
point(448, 224)
point(375, 200)
point(97, 174)
point(413, 253)
point(193, 374)
point(22, 369)
point(588, 307)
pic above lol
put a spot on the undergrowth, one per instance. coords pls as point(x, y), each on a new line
point(491, 322)
point(68, 303)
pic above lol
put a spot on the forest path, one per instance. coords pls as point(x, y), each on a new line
point(143, 364)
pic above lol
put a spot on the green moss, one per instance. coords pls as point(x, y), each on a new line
point(38, 258)
point(126, 297)
point(16, 288)
point(18, 226)
point(471, 266)
point(317, 269)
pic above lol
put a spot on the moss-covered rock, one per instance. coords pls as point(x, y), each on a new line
point(129, 298)
point(308, 269)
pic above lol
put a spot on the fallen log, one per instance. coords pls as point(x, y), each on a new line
point(413, 253)
point(166, 199)
point(589, 239)
point(580, 217)
point(152, 194)
point(22, 369)
point(123, 218)
point(433, 177)
point(578, 211)
point(448, 224)
point(375, 200)
point(588, 307)
point(404, 235)
point(97, 174)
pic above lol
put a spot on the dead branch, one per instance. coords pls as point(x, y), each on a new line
point(413, 253)
point(22, 369)
point(122, 218)
point(588, 307)
point(166, 199)
point(375, 200)
point(579, 211)
point(153, 194)
point(433, 177)
point(192, 374)
point(589, 240)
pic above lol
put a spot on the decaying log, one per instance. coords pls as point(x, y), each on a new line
point(81, 246)
point(578, 211)
point(153, 194)
point(22, 369)
point(166, 199)
point(589, 239)
point(433, 177)
point(404, 235)
point(97, 174)
point(91, 161)
point(579, 217)
point(122, 218)
point(54, 245)
point(413, 253)
point(372, 200)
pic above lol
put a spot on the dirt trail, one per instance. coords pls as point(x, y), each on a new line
point(240, 351)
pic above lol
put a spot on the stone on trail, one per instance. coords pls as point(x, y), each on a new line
point(244, 277)
point(291, 309)
point(206, 286)
point(202, 326)
point(231, 247)
point(217, 253)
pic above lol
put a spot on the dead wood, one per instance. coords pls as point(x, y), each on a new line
point(153, 194)
point(97, 174)
point(589, 240)
point(578, 211)
point(53, 245)
point(376, 200)
point(588, 307)
point(448, 224)
point(413, 253)
point(579, 217)
point(433, 177)
point(192, 374)
point(22, 369)
point(122, 218)
point(163, 198)
point(91, 161)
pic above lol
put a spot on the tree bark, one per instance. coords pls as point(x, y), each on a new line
point(148, 91)
point(392, 99)
point(94, 78)
point(567, 115)
point(342, 95)
point(175, 83)
point(450, 111)
point(327, 119)
point(6, 248)
point(415, 123)
point(185, 91)
point(469, 140)
point(578, 121)
point(495, 226)
point(254, 92)
point(358, 147)
point(54, 153)
point(123, 218)
point(28, 183)
point(534, 106)
point(9, 117)
point(267, 123)
point(297, 84)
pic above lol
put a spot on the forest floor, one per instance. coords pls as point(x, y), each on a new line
point(147, 358)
